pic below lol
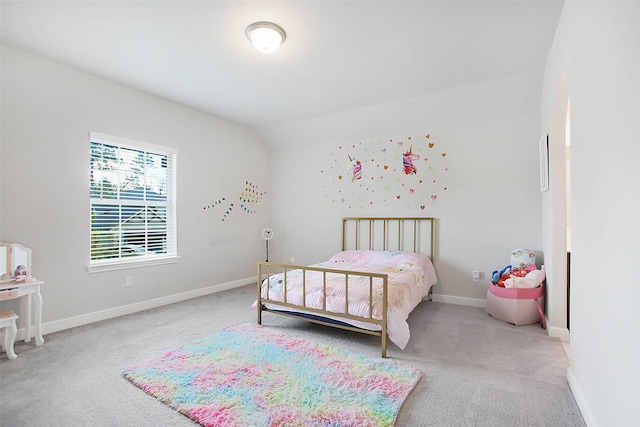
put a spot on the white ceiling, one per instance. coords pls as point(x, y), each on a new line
point(338, 55)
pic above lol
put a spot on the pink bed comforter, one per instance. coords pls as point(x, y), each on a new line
point(410, 276)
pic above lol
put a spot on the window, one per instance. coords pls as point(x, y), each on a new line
point(132, 193)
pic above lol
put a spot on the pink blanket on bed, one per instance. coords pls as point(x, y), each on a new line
point(410, 276)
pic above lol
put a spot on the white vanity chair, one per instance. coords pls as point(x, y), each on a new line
point(15, 282)
point(9, 328)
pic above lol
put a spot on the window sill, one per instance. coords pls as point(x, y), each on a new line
point(122, 265)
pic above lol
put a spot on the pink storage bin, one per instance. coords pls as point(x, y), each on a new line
point(515, 305)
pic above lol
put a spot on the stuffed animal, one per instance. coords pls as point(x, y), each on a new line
point(522, 258)
point(21, 273)
point(497, 275)
point(533, 279)
point(521, 272)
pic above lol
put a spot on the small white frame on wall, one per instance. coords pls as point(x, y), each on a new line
point(544, 162)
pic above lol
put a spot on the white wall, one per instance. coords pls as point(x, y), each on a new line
point(594, 61)
point(48, 111)
point(492, 204)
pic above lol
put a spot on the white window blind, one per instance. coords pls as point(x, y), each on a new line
point(132, 193)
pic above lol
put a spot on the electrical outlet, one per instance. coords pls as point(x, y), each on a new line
point(128, 281)
point(292, 260)
point(475, 275)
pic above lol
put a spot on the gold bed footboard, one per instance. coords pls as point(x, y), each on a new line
point(269, 269)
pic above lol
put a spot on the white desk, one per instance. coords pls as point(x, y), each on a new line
point(30, 307)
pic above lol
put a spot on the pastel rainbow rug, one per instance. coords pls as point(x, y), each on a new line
point(251, 375)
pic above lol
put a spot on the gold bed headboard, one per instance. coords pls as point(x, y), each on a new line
point(415, 234)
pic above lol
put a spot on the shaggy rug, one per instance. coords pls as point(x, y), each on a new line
point(250, 375)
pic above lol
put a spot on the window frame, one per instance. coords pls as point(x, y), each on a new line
point(170, 228)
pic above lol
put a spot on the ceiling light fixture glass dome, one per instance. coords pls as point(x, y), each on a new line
point(266, 36)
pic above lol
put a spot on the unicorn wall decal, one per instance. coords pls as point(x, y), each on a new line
point(356, 168)
point(407, 162)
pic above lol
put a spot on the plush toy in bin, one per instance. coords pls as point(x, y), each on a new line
point(532, 279)
point(522, 258)
point(516, 291)
point(521, 273)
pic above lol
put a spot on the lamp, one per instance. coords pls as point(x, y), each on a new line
point(267, 234)
point(265, 36)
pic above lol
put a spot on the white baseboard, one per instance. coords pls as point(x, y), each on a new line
point(450, 299)
point(97, 316)
point(85, 319)
point(580, 400)
point(556, 332)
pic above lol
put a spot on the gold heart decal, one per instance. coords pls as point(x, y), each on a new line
point(444, 154)
point(431, 144)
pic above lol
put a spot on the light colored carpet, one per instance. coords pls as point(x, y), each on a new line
point(476, 370)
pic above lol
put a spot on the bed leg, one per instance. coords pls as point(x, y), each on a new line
point(259, 302)
point(384, 342)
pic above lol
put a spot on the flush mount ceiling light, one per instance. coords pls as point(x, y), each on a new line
point(265, 36)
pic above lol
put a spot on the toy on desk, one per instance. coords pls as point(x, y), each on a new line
point(21, 273)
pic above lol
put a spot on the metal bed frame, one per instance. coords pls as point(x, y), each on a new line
point(414, 234)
